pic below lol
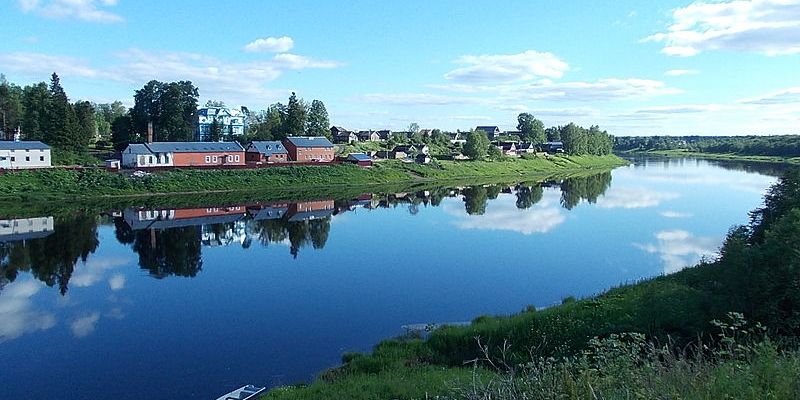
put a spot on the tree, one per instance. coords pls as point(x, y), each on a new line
point(105, 114)
point(475, 199)
point(171, 107)
point(532, 129)
point(86, 123)
point(122, 132)
point(477, 145)
point(214, 131)
point(553, 134)
point(413, 128)
point(215, 103)
point(276, 117)
point(318, 123)
point(296, 116)
point(575, 139)
point(36, 103)
point(11, 110)
point(61, 129)
point(494, 153)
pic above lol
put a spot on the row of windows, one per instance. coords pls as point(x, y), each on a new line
point(324, 156)
point(215, 159)
point(27, 158)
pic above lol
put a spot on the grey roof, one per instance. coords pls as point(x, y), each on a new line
point(310, 141)
point(271, 212)
point(193, 147)
point(137, 148)
point(26, 145)
point(553, 143)
point(492, 128)
point(358, 157)
point(267, 147)
point(137, 224)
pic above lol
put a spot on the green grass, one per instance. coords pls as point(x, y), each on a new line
point(719, 156)
point(58, 183)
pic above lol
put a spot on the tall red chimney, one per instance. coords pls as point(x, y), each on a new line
point(150, 132)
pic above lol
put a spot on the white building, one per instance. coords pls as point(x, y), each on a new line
point(12, 230)
point(232, 122)
point(24, 155)
point(140, 155)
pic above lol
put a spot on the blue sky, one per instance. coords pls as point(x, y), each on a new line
point(632, 67)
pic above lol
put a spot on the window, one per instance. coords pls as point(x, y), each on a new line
point(208, 159)
point(236, 158)
point(27, 158)
point(149, 159)
point(41, 158)
point(230, 158)
point(13, 159)
point(214, 159)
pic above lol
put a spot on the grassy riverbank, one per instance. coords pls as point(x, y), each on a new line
point(635, 341)
point(56, 184)
point(717, 156)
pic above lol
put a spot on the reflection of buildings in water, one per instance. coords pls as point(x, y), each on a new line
point(14, 230)
point(212, 236)
point(310, 210)
point(140, 219)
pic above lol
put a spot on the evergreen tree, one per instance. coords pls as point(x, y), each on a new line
point(11, 110)
point(62, 129)
point(122, 132)
point(296, 116)
point(214, 131)
point(36, 103)
point(85, 123)
point(318, 123)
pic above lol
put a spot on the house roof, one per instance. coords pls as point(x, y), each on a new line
point(553, 143)
point(137, 148)
point(26, 145)
point(525, 145)
point(193, 147)
point(488, 128)
point(214, 111)
point(268, 213)
point(267, 147)
point(306, 215)
point(358, 157)
point(20, 236)
point(403, 148)
point(310, 141)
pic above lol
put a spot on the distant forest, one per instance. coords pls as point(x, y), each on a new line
point(781, 146)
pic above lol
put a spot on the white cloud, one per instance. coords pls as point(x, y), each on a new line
point(634, 197)
point(681, 72)
point(270, 44)
point(84, 326)
point(412, 99)
point(675, 214)
point(508, 67)
point(679, 109)
point(471, 117)
point(17, 313)
point(502, 214)
point(95, 269)
point(82, 10)
point(770, 27)
point(785, 96)
point(117, 282)
point(678, 249)
point(234, 82)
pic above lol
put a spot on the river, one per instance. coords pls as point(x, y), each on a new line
point(166, 302)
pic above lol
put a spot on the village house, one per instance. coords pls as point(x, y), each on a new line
point(268, 211)
point(182, 154)
point(457, 137)
point(422, 159)
point(343, 136)
point(24, 155)
point(526, 147)
point(308, 210)
point(309, 148)
point(408, 150)
point(508, 148)
point(490, 131)
point(266, 152)
point(144, 218)
point(233, 122)
point(553, 147)
point(426, 132)
point(368, 136)
point(14, 230)
point(360, 159)
point(385, 134)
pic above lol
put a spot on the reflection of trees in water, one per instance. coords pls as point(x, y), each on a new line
point(52, 259)
point(588, 188)
point(528, 195)
point(475, 199)
point(298, 233)
point(174, 251)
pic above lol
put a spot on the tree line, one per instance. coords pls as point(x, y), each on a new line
point(43, 111)
point(775, 145)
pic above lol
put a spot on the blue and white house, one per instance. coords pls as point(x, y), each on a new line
point(232, 120)
point(24, 155)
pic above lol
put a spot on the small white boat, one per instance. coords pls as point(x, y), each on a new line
point(246, 392)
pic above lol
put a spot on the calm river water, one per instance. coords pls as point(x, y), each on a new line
point(176, 302)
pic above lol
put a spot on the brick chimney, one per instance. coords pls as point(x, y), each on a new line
point(149, 132)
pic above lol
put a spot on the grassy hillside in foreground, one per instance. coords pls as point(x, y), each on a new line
point(578, 350)
point(58, 183)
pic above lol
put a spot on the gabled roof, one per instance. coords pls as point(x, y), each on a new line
point(488, 128)
point(26, 145)
point(271, 212)
point(405, 148)
point(310, 141)
point(193, 147)
point(267, 147)
point(137, 148)
point(306, 215)
point(525, 145)
point(358, 157)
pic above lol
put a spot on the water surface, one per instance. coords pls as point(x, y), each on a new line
point(190, 302)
